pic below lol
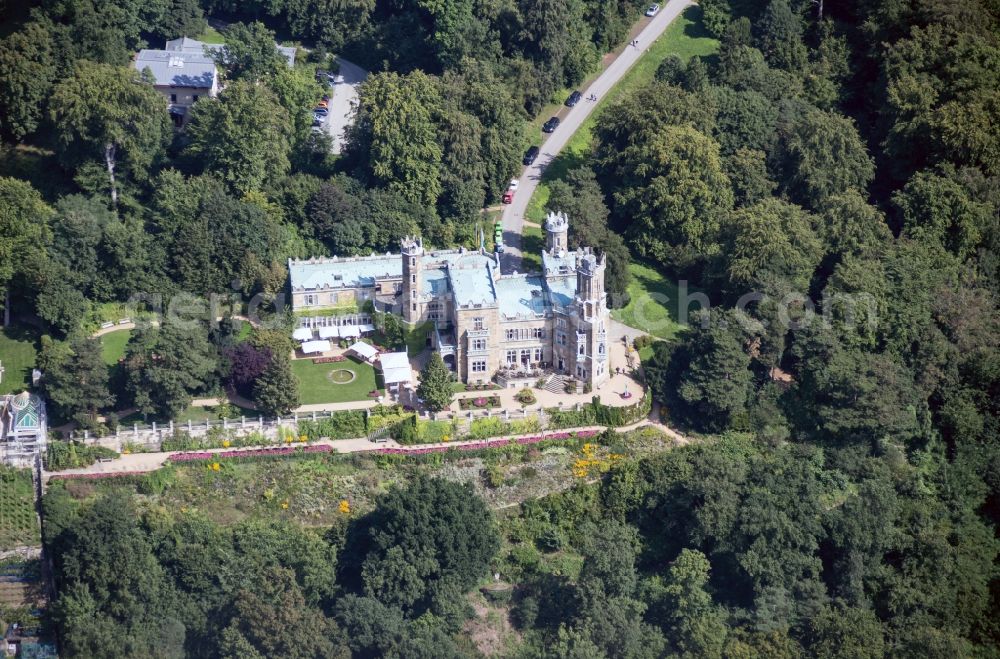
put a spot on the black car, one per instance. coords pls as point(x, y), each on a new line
point(530, 155)
point(573, 99)
point(550, 125)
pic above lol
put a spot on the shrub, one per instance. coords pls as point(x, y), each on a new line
point(526, 397)
point(73, 455)
point(346, 424)
point(643, 341)
point(493, 475)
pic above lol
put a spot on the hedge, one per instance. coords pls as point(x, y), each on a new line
point(598, 414)
point(72, 455)
point(346, 424)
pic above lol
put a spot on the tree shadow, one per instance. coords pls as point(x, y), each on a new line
point(563, 163)
point(696, 27)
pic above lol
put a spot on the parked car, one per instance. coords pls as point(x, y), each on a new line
point(508, 195)
point(320, 76)
point(530, 155)
point(326, 97)
point(321, 110)
point(550, 125)
point(653, 10)
point(573, 99)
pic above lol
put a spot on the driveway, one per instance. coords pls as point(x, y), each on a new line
point(513, 215)
point(343, 100)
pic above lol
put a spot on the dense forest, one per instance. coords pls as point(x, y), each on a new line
point(830, 182)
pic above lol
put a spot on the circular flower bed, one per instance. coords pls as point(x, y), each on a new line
point(341, 376)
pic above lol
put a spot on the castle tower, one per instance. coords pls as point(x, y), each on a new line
point(590, 283)
point(556, 233)
point(591, 337)
point(412, 255)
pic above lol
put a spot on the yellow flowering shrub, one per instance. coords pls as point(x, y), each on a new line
point(345, 507)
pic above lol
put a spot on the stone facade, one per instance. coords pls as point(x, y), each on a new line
point(487, 324)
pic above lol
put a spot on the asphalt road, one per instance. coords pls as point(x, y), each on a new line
point(513, 214)
point(343, 99)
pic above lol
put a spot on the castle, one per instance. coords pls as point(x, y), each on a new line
point(488, 325)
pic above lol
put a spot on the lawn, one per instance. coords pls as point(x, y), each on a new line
point(316, 387)
point(18, 523)
point(532, 243)
point(17, 353)
point(685, 37)
point(113, 345)
point(653, 306)
point(211, 35)
point(196, 414)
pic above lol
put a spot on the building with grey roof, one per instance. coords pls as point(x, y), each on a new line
point(509, 328)
point(185, 72)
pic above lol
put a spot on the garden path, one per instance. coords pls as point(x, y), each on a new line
point(144, 462)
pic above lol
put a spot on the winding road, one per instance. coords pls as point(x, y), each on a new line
point(513, 214)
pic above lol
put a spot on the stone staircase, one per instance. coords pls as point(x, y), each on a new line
point(555, 383)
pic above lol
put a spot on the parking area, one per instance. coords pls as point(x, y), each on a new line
point(343, 99)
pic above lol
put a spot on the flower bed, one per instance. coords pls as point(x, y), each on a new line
point(493, 443)
point(490, 386)
point(329, 360)
point(479, 402)
point(256, 453)
point(94, 477)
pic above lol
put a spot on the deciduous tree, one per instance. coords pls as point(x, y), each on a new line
point(241, 136)
point(111, 115)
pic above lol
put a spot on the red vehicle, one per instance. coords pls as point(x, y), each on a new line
point(508, 195)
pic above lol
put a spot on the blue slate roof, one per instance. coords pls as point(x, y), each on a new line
point(521, 296)
point(562, 291)
point(326, 273)
point(554, 263)
point(472, 286)
point(435, 282)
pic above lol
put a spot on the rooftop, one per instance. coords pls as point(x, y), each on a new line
point(520, 296)
point(349, 272)
point(435, 282)
point(178, 69)
point(473, 286)
point(556, 263)
point(562, 291)
point(189, 45)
